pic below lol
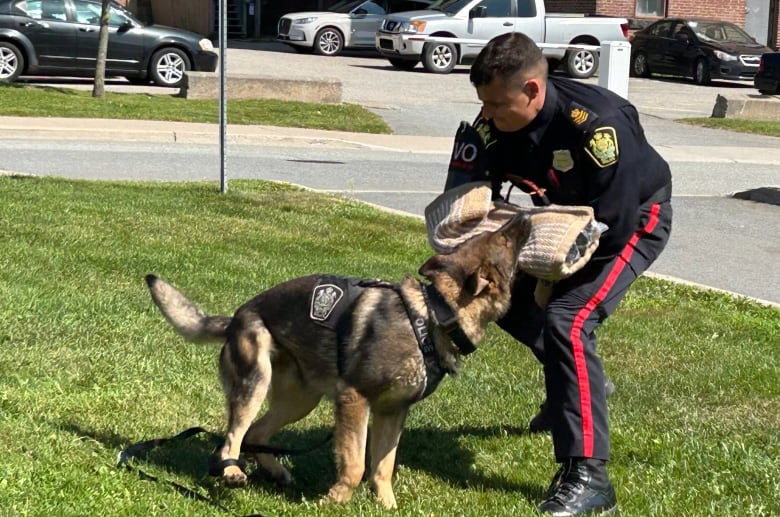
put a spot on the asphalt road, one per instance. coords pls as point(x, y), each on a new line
point(717, 241)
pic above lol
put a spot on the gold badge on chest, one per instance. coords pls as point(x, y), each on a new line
point(562, 160)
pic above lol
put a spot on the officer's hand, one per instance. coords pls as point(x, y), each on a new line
point(468, 160)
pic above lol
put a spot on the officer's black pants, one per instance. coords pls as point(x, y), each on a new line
point(563, 338)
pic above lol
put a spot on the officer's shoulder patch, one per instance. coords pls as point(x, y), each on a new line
point(602, 146)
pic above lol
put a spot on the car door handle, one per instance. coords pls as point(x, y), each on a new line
point(508, 24)
point(86, 29)
point(36, 24)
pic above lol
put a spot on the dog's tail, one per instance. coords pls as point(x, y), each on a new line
point(185, 317)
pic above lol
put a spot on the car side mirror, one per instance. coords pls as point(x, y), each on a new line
point(682, 37)
point(360, 12)
point(478, 12)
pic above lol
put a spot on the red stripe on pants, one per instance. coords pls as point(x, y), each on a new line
point(575, 335)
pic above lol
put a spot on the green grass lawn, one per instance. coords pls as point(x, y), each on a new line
point(42, 101)
point(89, 366)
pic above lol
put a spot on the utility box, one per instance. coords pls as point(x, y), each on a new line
point(615, 63)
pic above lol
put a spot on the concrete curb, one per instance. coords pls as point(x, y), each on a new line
point(759, 107)
point(206, 85)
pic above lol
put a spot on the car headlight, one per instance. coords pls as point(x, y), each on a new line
point(206, 44)
point(414, 26)
point(725, 56)
point(304, 21)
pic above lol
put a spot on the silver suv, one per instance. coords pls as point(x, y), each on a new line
point(347, 24)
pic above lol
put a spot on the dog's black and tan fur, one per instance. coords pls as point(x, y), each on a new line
point(272, 347)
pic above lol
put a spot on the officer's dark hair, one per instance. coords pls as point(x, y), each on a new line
point(504, 56)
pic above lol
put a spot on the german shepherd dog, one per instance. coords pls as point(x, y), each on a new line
point(400, 340)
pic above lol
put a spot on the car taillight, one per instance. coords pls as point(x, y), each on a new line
point(761, 65)
point(624, 28)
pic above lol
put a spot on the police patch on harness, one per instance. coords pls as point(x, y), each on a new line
point(603, 147)
point(324, 299)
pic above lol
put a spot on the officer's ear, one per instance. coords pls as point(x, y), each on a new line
point(532, 87)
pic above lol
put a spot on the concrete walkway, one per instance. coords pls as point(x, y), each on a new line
point(200, 133)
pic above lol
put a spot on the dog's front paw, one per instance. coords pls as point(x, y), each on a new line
point(231, 470)
point(385, 496)
point(234, 477)
point(339, 493)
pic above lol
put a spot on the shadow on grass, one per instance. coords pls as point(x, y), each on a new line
point(437, 452)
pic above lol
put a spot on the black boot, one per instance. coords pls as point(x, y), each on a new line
point(542, 422)
point(580, 487)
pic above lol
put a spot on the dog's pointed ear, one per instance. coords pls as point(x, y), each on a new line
point(431, 266)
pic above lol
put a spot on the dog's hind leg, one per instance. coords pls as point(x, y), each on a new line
point(385, 433)
point(350, 442)
point(289, 400)
point(245, 367)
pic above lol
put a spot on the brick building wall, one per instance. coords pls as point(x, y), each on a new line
point(728, 10)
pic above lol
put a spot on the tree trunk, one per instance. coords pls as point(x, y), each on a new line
point(98, 88)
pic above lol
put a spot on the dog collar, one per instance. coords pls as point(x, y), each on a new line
point(446, 319)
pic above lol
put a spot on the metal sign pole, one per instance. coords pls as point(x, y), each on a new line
point(223, 184)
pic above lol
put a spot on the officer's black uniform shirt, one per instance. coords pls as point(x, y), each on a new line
point(585, 147)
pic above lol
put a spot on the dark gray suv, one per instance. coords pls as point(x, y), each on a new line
point(60, 37)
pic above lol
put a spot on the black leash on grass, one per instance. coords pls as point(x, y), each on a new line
point(215, 469)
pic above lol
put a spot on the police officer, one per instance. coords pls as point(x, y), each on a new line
point(569, 143)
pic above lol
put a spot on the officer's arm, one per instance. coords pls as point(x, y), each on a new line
point(613, 184)
point(468, 161)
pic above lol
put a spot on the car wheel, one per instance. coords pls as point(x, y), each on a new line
point(439, 58)
point(11, 62)
point(403, 64)
point(168, 66)
point(701, 72)
point(581, 63)
point(328, 42)
point(639, 66)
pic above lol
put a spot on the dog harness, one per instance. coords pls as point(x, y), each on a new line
point(332, 301)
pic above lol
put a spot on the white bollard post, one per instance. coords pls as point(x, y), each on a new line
point(615, 62)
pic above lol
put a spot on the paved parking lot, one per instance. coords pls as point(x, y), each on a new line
point(419, 103)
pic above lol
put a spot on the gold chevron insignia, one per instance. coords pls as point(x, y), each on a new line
point(579, 115)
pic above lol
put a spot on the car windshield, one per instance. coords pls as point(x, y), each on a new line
point(449, 6)
point(721, 32)
point(347, 6)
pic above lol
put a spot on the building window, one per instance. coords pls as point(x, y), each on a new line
point(650, 8)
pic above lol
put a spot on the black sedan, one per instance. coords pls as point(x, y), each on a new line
point(697, 48)
point(60, 37)
point(767, 80)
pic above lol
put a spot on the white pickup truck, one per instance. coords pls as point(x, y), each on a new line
point(406, 38)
